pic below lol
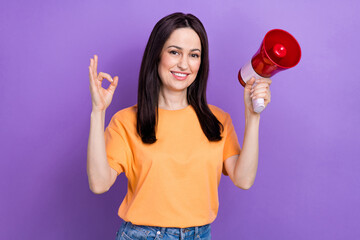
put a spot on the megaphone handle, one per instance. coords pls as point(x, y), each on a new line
point(258, 105)
point(247, 72)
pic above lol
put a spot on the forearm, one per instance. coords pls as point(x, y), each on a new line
point(247, 163)
point(98, 169)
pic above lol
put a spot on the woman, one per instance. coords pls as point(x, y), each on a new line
point(172, 145)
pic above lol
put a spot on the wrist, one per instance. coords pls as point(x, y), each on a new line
point(97, 113)
point(252, 117)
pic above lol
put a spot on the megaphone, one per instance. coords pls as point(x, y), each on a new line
point(278, 51)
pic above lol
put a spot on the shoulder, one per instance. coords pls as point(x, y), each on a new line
point(125, 115)
point(125, 112)
point(218, 112)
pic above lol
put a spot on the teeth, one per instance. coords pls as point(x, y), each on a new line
point(179, 74)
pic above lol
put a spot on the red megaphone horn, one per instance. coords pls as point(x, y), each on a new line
point(278, 51)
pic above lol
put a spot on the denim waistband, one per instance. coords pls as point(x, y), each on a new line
point(196, 230)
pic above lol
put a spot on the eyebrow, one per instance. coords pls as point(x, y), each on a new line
point(195, 49)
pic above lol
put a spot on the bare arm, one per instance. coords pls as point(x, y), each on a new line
point(247, 162)
point(100, 175)
point(242, 168)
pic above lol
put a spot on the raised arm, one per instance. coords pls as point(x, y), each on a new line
point(100, 175)
point(242, 168)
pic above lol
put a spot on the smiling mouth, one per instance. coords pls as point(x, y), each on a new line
point(179, 74)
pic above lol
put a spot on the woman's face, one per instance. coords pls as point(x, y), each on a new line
point(180, 60)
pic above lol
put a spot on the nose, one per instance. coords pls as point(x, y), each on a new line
point(182, 63)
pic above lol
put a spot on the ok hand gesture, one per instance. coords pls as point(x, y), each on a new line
point(100, 97)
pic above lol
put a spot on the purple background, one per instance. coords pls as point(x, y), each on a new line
point(307, 186)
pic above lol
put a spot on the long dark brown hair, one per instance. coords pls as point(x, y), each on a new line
point(149, 80)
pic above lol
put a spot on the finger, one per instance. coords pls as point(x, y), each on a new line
point(261, 85)
point(91, 77)
point(103, 75)
point(258, 89)
point(95, 63)
point(269, 80)
point(92, 68)
point(113, 85)
point(91, 64)
point(261, 94)
point(250, 83)
point(264, 80)
point(90, 72)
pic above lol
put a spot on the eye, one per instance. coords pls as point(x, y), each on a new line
point(195, 55)
point(174, 52)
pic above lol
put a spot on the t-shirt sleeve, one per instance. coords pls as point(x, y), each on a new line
point(231, 146)
point(118, 151)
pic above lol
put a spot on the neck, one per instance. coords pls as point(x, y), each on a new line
point(171, 100)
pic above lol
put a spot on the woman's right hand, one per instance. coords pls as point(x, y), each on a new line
point(100, 97)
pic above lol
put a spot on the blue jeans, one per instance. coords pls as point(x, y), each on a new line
point(129, 231)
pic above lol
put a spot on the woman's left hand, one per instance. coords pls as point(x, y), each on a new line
point(260, 90)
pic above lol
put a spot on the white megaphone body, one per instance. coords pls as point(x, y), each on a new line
point(278, 51)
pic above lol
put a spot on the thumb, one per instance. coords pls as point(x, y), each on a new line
point(250, 83)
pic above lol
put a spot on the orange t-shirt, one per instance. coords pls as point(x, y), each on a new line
point(174, 181)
